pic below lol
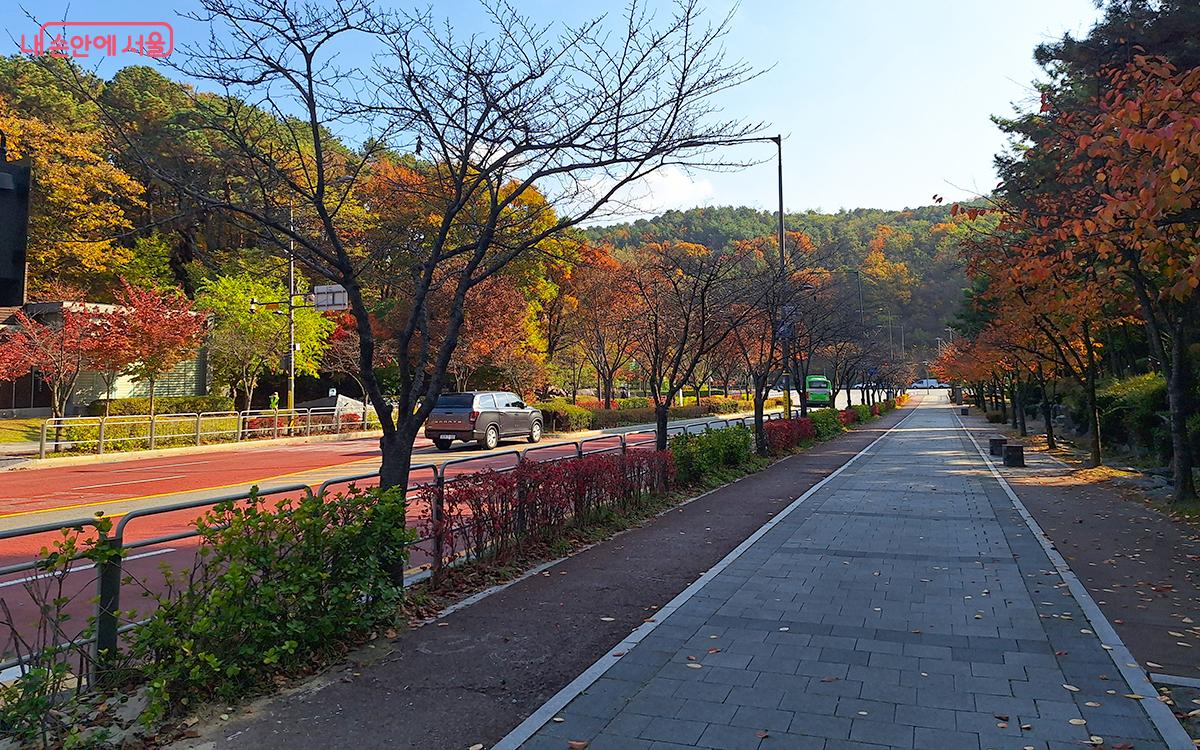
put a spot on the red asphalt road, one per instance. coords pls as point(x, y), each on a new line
point(94, 486)
point(90, 485)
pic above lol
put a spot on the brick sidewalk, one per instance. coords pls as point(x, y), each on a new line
point(904, 603)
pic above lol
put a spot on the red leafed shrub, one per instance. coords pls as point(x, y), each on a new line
point(874, 410)
point(785, 434)
point(847, 417)
point(489, 512)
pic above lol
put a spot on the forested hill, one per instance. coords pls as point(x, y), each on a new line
point(919, 285)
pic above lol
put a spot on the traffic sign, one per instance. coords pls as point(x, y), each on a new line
point(330, 297)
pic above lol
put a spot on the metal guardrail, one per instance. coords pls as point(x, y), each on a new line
point(110, 567)
point(146, 431)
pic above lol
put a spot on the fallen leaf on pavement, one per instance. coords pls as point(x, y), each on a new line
point(577, 744)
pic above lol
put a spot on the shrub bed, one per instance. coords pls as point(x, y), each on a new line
point(489, 512)
point(605, 418)
point(702, 454)
point(785, 434)
point(562, 416)
point(722, 405)
point(162, 405)
point(827, 422)
point(634, 402)
point(862, 412)
point(276, 588)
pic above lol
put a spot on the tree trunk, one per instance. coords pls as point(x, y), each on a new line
point(396, 450)
point(1093, 409)
point(152, 384)
point(1048, 416)
point(661, 412)
point(760, 433)
point(1014, 397)
point(1178, 392)
point(608, 389)
point(1020, 407)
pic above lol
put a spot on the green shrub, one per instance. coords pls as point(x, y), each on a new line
point(634, 402)
point(1133, 412)
point(276, 590)
point(702, 454)
point(863, 411)
point(562, 416)
point(162, 405)
point(827, 422)
point(996, 417)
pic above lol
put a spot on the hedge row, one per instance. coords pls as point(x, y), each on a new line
point(560, 415)
point(162, 405)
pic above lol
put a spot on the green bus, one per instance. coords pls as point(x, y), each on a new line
point(817, 391)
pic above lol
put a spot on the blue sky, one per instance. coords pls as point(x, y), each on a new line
point(882, 103)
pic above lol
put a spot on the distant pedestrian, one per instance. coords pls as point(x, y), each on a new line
point(624, 392)
point(273, 402)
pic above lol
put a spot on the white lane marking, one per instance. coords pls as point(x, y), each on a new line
point(1159, 713)
point(157, 467)
point(129, 481)
point(550, 708)
point(89, 566)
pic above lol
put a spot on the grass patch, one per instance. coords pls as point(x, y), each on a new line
point(20, 430)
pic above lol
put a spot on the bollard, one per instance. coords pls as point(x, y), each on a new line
point(996, 445)
point(439, 514)
point(964, 411)
point(108, 602)
point(1014, 455)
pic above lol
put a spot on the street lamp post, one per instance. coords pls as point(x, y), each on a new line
point(291, 311)
point(787, 362)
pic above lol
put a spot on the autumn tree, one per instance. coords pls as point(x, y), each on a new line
point(491, 117)
point(495, 328)
point(162, 331)
point(1142, 154)
point(107, 347)
point(77, 202)
point(56, 350)
point(690, 299)
point(604, 324)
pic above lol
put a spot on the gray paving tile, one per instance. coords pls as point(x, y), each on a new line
point(899, 608)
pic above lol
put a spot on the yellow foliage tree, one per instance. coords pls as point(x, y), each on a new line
point(77, 203)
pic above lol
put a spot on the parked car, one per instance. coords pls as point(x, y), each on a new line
point(484, 417)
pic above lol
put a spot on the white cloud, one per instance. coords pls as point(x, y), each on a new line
point(662, 190)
